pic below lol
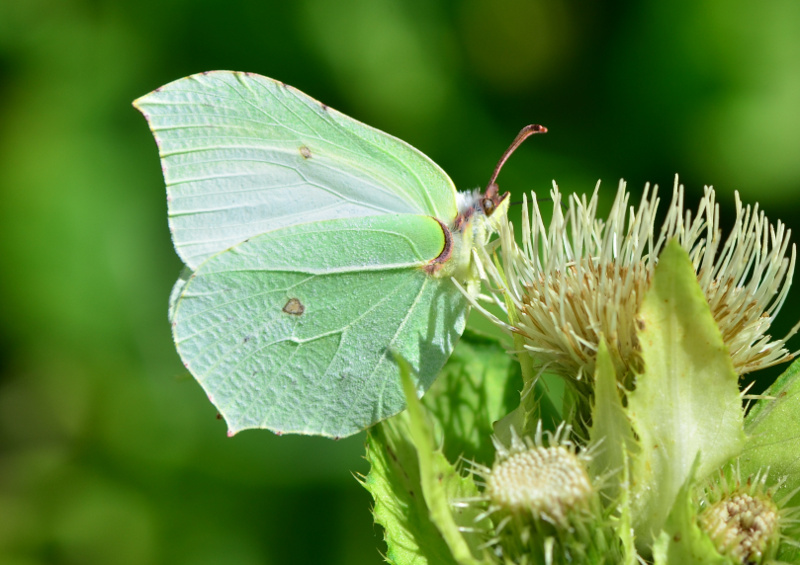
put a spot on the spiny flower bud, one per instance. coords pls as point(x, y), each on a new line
point(743, 519)
point(543, 504)
point(742, 526)
point(546, 481)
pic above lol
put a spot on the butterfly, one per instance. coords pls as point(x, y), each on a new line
point(317, 249)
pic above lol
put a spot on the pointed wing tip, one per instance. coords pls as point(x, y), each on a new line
point(138, 103)
point(142, 101)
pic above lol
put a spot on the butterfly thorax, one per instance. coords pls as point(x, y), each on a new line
point(479, 216)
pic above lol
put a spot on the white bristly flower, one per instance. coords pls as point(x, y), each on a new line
point(744, 520)
point(542, 502)
point(583, 277)
point(530, 477)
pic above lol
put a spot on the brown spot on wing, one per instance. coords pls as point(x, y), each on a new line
point(294, 307)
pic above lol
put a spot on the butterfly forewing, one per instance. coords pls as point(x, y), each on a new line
point(296, 330)
point(243, 154)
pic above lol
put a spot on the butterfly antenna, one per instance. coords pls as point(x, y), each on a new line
point(524, 134)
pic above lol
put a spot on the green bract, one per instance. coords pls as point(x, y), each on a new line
point(686, 365)
point(773, 427)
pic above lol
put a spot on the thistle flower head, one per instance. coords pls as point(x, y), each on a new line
point(542, 502)
point(742, 526)
point(582, 277)
point(743, 520)
point(545, 481)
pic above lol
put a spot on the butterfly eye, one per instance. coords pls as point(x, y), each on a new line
point(488, 206)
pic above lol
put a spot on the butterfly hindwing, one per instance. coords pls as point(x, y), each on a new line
point(295, 330)
point(243, 154)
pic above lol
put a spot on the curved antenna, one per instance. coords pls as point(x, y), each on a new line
point(524, 134)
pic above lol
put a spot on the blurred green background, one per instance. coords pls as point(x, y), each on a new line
point(109, 451)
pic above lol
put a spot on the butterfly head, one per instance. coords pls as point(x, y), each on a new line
point(487, 206)
point(480, 214)
point(494, 206)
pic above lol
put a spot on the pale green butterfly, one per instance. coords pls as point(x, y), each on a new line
point(317, 248)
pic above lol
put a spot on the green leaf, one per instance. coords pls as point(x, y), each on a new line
point(686, 403)
point(612, 440)
point(414, 488)
point(610, 430)
point(624, 521)
point(773, 428)
point(479, 384)
point(682, 542)
point(788, 553)
point(441, 483)
point(535, 406)
point(400, 507)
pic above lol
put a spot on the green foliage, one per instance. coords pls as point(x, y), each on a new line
point(682, 542)
point(416, 488)
point(479, 385)
point(773, 432)
point(442, 484)
point(400, 507)
point(685, 364)
point(610, 433)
